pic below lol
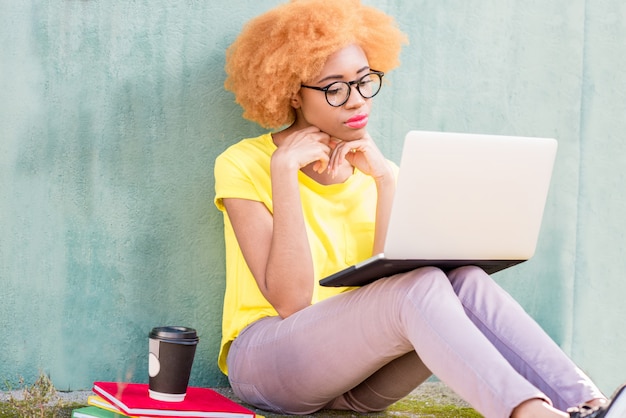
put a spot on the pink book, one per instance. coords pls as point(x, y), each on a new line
point(133, 399)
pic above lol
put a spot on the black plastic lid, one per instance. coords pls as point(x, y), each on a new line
point(180, 335)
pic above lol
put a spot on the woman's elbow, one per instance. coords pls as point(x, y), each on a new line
point(285, 310)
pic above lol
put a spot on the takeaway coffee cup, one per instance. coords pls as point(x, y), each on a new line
point(172, 350)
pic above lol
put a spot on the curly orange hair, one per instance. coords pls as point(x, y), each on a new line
point(288, 45)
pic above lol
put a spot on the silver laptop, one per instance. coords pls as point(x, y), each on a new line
point(462, 199)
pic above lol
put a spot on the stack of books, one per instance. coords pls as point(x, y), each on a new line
point(113, 400)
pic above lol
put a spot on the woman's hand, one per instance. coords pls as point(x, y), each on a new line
point(303, 147)
point(362, 154)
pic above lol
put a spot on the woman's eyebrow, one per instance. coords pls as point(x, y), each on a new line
point(340, 77)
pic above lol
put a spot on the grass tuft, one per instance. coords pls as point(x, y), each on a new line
point(39, 400)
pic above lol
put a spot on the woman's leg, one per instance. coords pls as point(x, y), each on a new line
point(392, 382)
point(307, 361)
point(323, 367)
point(521, 340)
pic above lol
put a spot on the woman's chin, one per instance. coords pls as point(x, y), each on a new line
point(351, 135)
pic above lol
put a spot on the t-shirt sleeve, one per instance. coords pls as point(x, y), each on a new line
point(231, 180)
point(239, 173)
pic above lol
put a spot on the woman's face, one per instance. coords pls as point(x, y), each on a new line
point(349, 121)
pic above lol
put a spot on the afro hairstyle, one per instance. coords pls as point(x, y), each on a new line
point(289, 45)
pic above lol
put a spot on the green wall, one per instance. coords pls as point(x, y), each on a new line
point(112, 112)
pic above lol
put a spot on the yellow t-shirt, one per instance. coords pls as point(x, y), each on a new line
point(339, 219)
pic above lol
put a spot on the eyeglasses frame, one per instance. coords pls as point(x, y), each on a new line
point(350, 84)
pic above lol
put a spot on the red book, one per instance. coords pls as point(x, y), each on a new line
point(133, 399)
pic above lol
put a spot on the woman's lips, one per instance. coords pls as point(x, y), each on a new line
point(357, 122)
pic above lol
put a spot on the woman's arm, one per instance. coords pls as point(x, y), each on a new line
point(276, 246)
point(281, 268)
point(365, 155)
point(386, 188)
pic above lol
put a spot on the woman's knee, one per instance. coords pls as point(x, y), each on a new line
point(425, 282)
point(424, 276)
point(432, 279)
point(469, 279)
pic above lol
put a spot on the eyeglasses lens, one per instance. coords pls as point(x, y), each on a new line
point(337, 93)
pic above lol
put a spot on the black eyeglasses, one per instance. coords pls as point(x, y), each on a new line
point(338, 93)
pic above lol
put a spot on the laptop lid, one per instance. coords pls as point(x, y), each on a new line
point(469, 196)
point(463, 199)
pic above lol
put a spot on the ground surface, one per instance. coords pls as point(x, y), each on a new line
point(431, 399)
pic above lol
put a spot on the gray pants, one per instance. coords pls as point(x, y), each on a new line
point(365, 349)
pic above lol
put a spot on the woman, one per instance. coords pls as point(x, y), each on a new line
point(311, 198)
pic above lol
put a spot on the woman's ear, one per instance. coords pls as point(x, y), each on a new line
point(296, 101)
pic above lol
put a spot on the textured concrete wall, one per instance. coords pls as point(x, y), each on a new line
point(111, 114)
